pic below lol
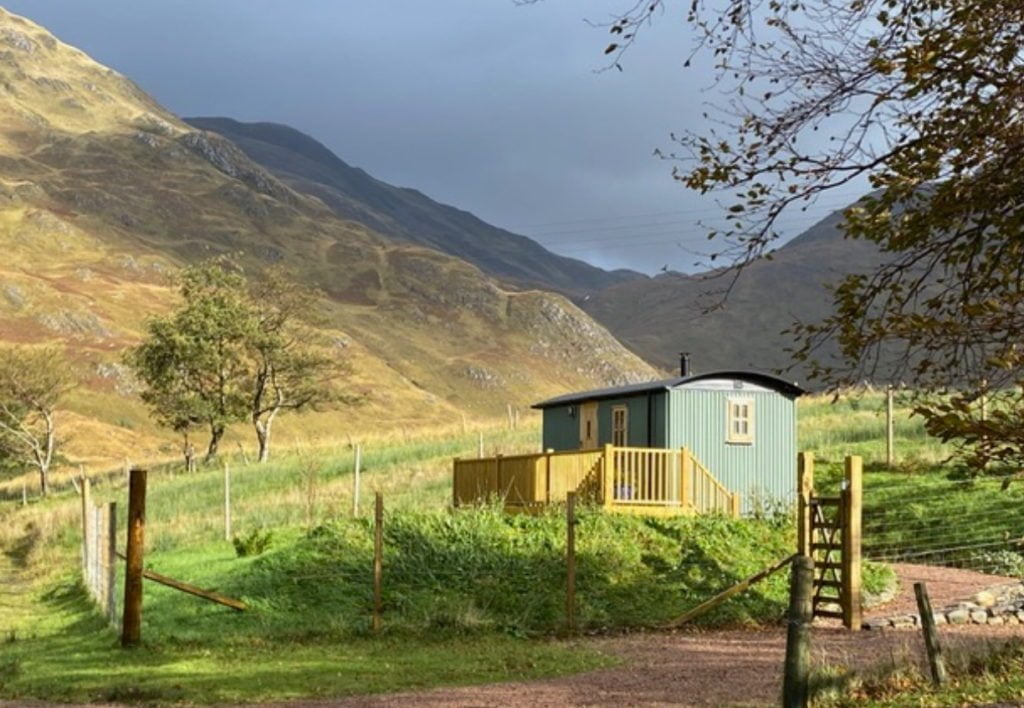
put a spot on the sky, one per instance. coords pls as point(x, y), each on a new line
point(497, 108)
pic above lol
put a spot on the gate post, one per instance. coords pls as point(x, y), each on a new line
point(805, 488)
point(851, 520)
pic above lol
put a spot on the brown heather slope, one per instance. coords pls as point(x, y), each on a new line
point(103, 194)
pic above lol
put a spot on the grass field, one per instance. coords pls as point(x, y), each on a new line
point(470, 597)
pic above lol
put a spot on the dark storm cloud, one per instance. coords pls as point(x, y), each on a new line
point(482, 104)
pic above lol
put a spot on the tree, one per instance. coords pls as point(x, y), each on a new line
point(234, 351)
point(195, 363)
point(289, 371)
point(921, 102)
point(32, 383)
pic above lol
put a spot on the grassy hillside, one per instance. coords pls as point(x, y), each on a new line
point(103, 194)
point(406, 214)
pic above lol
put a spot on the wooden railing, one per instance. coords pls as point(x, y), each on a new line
point(645, 480)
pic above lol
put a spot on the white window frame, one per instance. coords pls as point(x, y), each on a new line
point(622, 431)
point(739, 428)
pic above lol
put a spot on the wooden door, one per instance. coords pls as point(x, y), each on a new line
point(588, 426)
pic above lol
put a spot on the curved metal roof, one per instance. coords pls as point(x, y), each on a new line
point(756, 377)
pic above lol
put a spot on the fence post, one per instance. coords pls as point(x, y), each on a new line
point(96, 569)
point(805, 488)
point(227, 502)
point(480, 445)
point(608, 466)
point(110, 561)
point(570, 562)
point(86, 506)
point(131, 624)
point(931, 637)
point(547, 475)
point(378, 558)
point(798, 636)
point(890, 451)
point(356, 474)
point(735, 505)
point(685, 477)
point(851, 515)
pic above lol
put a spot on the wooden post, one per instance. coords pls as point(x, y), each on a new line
point(890, 451)
point(378, 558)
point(608, 467)
point(685, 478)
point(356, 474)
point(96, 569)
point(86, 540)
point(110, 561)
point(851, 549)
point(547, 475)
point(735, 504)
point(131, 624)
point(931, 637)
point(805, 489)
point(480, 445)
point(570, 562)
point(798, 635)
point(227, 502)
point(508, 412)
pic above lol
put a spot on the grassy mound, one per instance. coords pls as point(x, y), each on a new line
point(481, 570)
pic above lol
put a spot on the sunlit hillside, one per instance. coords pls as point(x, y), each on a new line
point(104, 194)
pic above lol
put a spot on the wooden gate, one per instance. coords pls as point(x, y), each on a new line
point(829, 531)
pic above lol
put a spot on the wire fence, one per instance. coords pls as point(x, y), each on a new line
point(976, 523)
point(99, 552)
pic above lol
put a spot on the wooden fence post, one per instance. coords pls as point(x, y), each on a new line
point(931, 637)
point(890, 451)
point(110, 561)
point(356, 474)
point(570, 562)
point(851, 548)
point(685, 477)
point(227, 502)
point(131, 624)
point(735, 505)
point(798, 635)
point(95, 555)
point(608, 467)
point(378, 559)
point(480, 445)
point(86, 545)
point(805, 488)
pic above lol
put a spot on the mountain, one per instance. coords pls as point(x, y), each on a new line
point(662, 316)
point(406, 214)
point(104, 194)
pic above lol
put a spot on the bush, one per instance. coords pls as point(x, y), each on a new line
point(255, 543)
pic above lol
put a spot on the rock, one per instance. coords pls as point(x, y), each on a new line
point(905, 621)
point(984, 599)
point(979, 616)
point(1002, 608)
point(1011, 619)
point(958, 616)
point(940, 619)
point(1020, 615)
point(876, 623)
point(995, 620)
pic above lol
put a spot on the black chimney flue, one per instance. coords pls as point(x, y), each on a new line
point(684, 363)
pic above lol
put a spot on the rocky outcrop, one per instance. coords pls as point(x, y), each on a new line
point(1000, 604)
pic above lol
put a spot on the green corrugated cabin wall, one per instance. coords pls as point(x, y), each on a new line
point(763, 472)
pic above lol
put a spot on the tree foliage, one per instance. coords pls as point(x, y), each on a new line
point(919, 101)
point(234, 351)
point(32, 383)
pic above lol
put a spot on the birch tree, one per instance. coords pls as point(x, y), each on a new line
point(32, 383)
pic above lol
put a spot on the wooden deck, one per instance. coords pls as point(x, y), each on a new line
point(638, 480)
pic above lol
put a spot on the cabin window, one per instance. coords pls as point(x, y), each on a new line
point(620, 424)
point(740, 421)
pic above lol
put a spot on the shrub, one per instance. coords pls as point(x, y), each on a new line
point(253, 544)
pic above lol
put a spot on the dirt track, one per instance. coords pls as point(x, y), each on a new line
point(738, 667)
